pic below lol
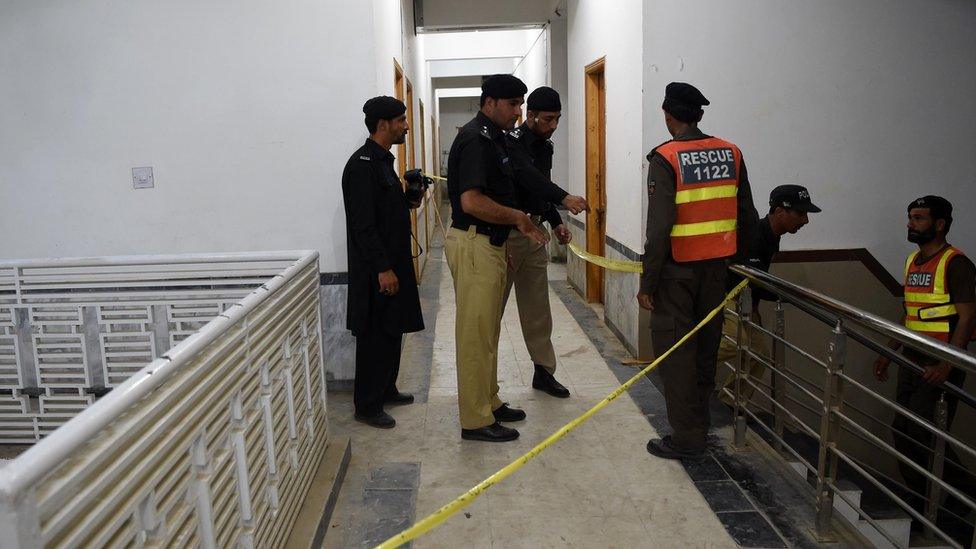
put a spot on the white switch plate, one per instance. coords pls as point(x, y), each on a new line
point(142, 178)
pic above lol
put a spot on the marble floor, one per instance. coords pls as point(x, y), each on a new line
point(597, 487)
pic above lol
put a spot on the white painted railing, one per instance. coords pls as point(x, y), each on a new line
point(212, 444)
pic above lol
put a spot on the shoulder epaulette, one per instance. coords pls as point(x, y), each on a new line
point(484, 132)
point(516, 133)
point(654, 150)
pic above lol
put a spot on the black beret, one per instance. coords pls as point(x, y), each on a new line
point(503, 86)
point(384, 107)
point(544, 99)
point(684, 102)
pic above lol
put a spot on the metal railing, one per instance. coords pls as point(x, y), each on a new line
point(214, 443)
point(829, 406)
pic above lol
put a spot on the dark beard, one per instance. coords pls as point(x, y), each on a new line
point(921, 238)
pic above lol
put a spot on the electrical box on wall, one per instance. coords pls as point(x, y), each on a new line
point(142, 178)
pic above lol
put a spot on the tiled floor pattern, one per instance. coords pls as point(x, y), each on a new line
point(745, 522)
point(598, 487)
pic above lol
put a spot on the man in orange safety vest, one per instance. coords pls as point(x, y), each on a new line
point(940, 302)
point(699, 214)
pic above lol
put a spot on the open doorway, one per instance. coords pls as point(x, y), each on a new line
point(596, 167)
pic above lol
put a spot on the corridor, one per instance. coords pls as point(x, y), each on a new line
point(596, 487)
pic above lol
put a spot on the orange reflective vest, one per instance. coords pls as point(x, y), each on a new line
point(706, 185)
point(928, 305)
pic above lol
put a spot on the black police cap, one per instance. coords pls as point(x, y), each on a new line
point(794, 197)
point(503, 86)
point(684, 102)
point(544, 99)
point(939, 207)
point(383, 107)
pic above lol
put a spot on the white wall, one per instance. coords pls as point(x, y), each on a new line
point(478, 44)
point(454, 112)
point(475, 13)
point(869, 104)
point(533, 68)
point(558, 81)
point(610, 29)
point(246, 113)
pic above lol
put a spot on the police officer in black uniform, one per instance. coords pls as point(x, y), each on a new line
point(481, 186)
point(532, 150)
point(383, 302)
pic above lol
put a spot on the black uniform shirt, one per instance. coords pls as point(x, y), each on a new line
point(763, 245)
point(378, 240)
point(479, 159)
point(662, 211)
point(528, 148)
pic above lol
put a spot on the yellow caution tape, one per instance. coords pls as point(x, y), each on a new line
point(621, 265)
point(437, 517)
point(611, 264)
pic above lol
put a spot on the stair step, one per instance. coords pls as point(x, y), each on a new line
point(898, 528)
point(850, 491)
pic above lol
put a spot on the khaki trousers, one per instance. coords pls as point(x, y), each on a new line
point(479, 272)
point(528, 273)
point(727, 352)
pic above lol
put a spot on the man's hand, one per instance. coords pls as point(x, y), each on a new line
point(645, 300)
point(529, 229)
point(881, 368)
point(937, 374)
point(575, 204)
point(562, 234)
point(389, 284)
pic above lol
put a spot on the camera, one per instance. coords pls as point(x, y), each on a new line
point(417, 184)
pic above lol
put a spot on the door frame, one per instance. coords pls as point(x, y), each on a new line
point(595, 102)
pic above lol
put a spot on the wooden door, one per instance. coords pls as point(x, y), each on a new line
point(596, 192)
point(411, 164)
point(398, 93)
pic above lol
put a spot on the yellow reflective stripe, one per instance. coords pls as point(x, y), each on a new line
point(920, 326)
point(908, 264)
point(941, 311)
point(911, 311)
point(708, 193)
point(940, 272)
point(914, 297)
point(705, 227)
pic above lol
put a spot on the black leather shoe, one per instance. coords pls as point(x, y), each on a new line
point(543, 381)
point(506, 414)
point(400, 399)
point(382, 420)
point(662, 448)
point(491, 433)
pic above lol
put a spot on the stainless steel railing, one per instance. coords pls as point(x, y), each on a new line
point(831, 407)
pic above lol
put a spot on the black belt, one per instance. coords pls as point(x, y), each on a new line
point(497, 234)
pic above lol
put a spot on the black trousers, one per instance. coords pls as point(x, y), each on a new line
point(685, 295)
point(377, 367)
point(917, 443)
